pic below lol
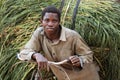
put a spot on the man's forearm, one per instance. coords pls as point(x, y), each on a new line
point(25, 54)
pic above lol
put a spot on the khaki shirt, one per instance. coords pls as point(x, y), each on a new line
point(70, 43)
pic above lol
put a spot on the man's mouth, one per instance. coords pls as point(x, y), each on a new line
point(50, 29)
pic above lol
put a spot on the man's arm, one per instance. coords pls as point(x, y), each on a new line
point(32, 46)
point(41, 60)
point(83, 52)
point(31, 49)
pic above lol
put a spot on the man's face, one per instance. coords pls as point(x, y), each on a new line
point(50, 23)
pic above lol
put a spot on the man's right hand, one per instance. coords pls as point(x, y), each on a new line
point(41, 60)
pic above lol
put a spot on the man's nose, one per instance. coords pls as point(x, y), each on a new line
point(50, 23)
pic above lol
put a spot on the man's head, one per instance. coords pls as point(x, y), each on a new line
point(51, 20)
point(51, 9)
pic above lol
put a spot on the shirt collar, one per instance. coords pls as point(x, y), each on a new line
point(42, 32)
point(62, 34)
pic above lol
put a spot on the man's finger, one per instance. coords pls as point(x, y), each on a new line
point(39, 66)
point(44, 65)
point(74, 60)
point(77, 64)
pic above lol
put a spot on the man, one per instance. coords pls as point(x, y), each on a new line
point(58, 43)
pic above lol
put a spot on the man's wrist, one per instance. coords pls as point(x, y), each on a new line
point(34, 56)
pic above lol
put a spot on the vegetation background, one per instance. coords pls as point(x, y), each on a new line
point(97, 21)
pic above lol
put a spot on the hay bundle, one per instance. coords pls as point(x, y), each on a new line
point(98, 22)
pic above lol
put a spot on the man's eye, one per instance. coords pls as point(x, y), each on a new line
point(54, 20)
point(46, 20)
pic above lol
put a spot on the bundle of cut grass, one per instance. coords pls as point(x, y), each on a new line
point(97, 21)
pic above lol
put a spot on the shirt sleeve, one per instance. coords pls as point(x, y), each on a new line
point(83, 51)
point(32, 46)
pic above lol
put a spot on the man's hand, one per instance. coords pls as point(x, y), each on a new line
point(41, 60)
point(75, 60)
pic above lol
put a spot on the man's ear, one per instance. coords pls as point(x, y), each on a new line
point(40, 21)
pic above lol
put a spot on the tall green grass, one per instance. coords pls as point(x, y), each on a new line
point(97, 21)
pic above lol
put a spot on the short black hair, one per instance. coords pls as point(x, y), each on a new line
point(51, 9)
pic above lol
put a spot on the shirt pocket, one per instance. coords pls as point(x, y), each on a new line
point(65, 53)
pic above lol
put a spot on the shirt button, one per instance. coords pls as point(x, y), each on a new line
point(60, 69)
point(65, 77)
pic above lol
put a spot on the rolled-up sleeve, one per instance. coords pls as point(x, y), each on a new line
point(32, 46)
point(83, 51)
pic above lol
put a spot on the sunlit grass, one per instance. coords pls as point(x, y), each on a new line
point(98, 22)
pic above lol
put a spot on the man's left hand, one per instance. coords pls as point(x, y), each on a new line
point(75, 60)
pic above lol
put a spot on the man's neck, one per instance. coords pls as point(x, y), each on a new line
point(55, 36)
